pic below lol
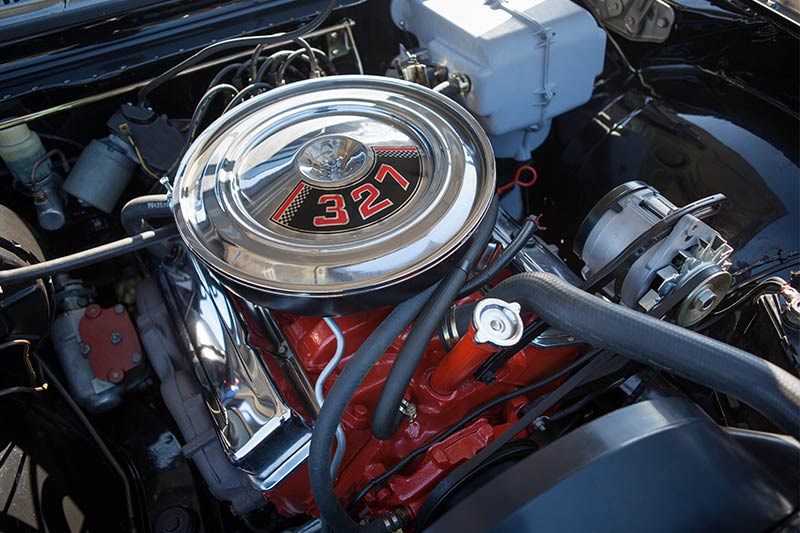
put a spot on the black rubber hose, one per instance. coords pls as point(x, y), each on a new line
point(387, 417)
point(330, 415)
point(760, 384)
point(143, 209)
point(479, 279)
point(86, 257)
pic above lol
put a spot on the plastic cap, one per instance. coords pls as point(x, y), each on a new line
point(14, 135)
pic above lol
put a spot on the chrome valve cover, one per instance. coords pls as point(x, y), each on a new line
point(334, 194)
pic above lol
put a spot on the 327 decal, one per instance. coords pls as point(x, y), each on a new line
point(385, 189)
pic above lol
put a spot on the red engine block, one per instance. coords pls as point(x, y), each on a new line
point(367, 457)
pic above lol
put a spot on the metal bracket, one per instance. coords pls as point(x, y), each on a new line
point(636, 20)
point(338, 44)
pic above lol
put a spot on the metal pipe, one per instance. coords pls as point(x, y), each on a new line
point(86, 257)
point(341, 441)
point(346, 26)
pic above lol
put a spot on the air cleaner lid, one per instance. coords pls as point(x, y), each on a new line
point(334, 186)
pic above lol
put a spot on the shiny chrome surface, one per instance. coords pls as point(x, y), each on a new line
point(236, 188)
point(259, 432)
point(289, 362)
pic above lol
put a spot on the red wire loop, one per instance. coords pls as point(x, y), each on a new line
point(536, 220)
point(517, 181)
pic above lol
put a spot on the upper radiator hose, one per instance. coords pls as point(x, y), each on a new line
point(762, 385)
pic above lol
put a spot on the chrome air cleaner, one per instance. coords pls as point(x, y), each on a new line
point(334, 194)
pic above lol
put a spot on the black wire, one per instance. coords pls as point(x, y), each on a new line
point(270, 62)
point(257, 86)
point(254, 62)
point(202, 108)
point(237, 42)
point(16, 390)
point(479, 279)
point(25, 344)
point(286, 64)
point(312, 56)
point(583, 402)
point(220, 76)
point(98, 440)
point(467, 419)
point(197, 119)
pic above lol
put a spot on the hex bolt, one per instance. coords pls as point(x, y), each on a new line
point(704, 300)
point(115, 375)
point(540, 423)
point(661, 23)
point(119, 309)
point(85, 348)
point(408, 409)
point(116, 338)
point(136, 358)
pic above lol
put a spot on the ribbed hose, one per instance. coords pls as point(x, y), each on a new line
point(144, 208)
point(362, 361)
point(387, 417)
point(763, 386)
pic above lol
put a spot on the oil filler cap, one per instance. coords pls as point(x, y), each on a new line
point(335, 194)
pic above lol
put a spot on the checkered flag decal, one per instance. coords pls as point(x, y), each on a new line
point(291, 209)
point(398, 152)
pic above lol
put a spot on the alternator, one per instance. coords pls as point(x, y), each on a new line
point(683, 273)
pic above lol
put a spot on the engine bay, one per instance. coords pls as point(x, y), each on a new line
point(415, 265)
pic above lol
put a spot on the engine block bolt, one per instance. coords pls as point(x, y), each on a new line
point(119, 309)
point(85, 348)
point(540, 423)
point(115, 375)
point(408, 409)
point(116, 338)
point(136, 358)
point(93, 311)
